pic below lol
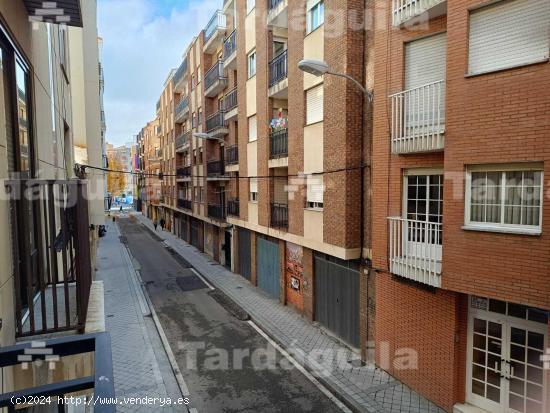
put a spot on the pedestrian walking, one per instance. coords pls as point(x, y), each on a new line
point(162, 223)
point(155, 224)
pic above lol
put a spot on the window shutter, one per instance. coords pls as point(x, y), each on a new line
point(314, 98)
point(252, 128)
point(315, 188)
point(425, 61)
point(507, 34)
point(253, 185)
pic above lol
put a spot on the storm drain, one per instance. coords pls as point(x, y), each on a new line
point(190, 283)
point(231, 306)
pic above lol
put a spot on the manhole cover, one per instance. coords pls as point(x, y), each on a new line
point(190, 283)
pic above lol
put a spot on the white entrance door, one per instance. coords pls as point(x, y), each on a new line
point(505, 370)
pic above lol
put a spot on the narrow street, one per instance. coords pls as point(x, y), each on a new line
point(191, 317)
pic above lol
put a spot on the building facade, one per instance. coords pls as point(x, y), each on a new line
point(460, 166)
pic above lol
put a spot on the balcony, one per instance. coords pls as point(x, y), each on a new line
point(229, 105)
point(233, 208)
point(232, 155)
point(216, 212)
point(277, 14)
point(230, 51)
point(278, 144)
point(215, 171)
point(182, 110)
point(279, 216)
point(64, 12)
point(54, 276)
point(406, 11)
point(183, 173)
point(415, 250)
point(278, 76)
point(216, 125)
point(215, 80)
point(182, 141)
point(180, 75)
point(158, 106)
point(418, 119)
point(214, 32)
point(185, 204)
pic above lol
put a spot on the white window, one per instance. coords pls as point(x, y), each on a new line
point(253, 190)
point(251, 64)
point(315, 192)
point(508, 34)
point(315, 14)
point(250, 4)
point(504, 199)
point(252, 128)
point(314, 103)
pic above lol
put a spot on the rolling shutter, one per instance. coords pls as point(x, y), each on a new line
point(315, 188)
point(425, 61)
point(252, 129)
point(314, 102)
point(508, 34)
point(253, 184)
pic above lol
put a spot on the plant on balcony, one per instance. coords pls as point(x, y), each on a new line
point(280, 122)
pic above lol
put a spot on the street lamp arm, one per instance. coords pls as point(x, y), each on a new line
point(359, 85)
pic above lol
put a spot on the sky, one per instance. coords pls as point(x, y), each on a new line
point(142, 41)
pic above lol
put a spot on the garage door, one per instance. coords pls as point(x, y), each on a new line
point(268, 267)
point(245, 268)
point(195, 233)
point(337, 298)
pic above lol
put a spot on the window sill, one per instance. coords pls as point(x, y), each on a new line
point(314, 209)
point(503, 230)
point(486, 72)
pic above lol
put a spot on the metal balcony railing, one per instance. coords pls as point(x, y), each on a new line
point(158, 105)
point(216, 211)
point(185, 203)
point(404, 10)
point(233, 207)
point(418, 118)
point(217, 22)
point(215, 121)
point(53, 272)
point(278, 68)
point(278, 144)
point(214, 74)
point(271, 4)
point(232, 155)
point(183, 171)
point(279, 215)
point(182, 107)
point(181, 72)
point(214, 168)
point(230, 100)
point(183, 139)
point(230, 44)
point(415, 250)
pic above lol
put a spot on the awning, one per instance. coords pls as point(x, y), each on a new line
point(58, 12)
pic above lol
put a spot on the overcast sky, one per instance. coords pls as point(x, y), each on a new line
point(142, 41)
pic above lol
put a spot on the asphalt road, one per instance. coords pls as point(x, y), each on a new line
point(235, 369)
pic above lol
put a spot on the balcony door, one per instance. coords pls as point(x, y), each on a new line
point(423, 210)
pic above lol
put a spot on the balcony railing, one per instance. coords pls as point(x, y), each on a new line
point(216, 211)
point(214, 76)
point(230, 44)
point(230, 100)
point(214, 168)
point(217, 22)
point(183, 171)
point(181, 72)
point(278, 144)
point(279, 215)
point(233, 208)
point(182, 108)
point(278, 68)
point(415, 250)
point(53, 274)
point(271, 4)
point(404, 10)
point(183, 140)
point(232, 155)
point(418, 119)
point(185, 204)
point(215, 121)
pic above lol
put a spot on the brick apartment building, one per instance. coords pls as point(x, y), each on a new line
point(150, 155)
point(460, 158)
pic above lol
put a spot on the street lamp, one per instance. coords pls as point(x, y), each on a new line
point(206, 137)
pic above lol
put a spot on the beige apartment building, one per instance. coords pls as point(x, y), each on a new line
point(49, 90)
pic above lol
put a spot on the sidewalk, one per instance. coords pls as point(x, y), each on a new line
point(140, 365)
point(365, 388)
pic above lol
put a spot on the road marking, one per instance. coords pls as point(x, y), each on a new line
point(202, 278)
point(301, 369)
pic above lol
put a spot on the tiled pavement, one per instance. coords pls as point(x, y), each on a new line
point(366, 388)
point(140, 366)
